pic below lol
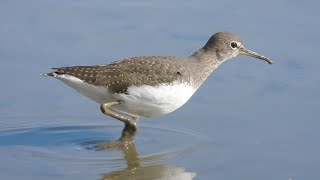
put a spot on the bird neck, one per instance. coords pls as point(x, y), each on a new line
point(203, 62)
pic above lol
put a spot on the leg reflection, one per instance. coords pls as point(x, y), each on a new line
point(146, 167)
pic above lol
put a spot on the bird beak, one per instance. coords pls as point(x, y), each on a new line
point(244, 51)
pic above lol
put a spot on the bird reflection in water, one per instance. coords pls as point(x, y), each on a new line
point(137, 168)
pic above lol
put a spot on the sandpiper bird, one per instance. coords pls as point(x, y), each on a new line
point(151, 86)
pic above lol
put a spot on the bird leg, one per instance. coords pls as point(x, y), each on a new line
point(130, 127)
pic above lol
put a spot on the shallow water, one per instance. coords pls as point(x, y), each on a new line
point(70, 151)
point(249, 120)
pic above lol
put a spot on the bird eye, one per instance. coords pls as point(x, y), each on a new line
point(233, 45)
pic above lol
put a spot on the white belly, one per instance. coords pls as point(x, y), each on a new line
point(141, 101)
point(154, 101)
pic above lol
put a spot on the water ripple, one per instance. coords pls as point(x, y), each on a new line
point(72, 142)
point(73, 147)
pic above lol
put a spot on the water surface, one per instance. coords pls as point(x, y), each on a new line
point(249, 120)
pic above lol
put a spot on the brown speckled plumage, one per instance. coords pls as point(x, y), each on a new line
point(118, 76)
point(153, 70)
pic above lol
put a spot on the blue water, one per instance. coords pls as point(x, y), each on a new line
point(249, 120)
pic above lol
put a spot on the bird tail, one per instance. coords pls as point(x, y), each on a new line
point(52, 74)
point(47, 74)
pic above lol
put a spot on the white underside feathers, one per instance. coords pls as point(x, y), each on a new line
point(141, 101)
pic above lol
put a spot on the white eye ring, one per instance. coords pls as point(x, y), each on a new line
point(234, 45)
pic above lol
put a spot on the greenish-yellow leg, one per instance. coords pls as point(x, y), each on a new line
point(130, 129)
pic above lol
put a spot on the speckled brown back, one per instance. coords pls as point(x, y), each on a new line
point(118, 76)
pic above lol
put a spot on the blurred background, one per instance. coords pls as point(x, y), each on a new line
point(256, 121)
